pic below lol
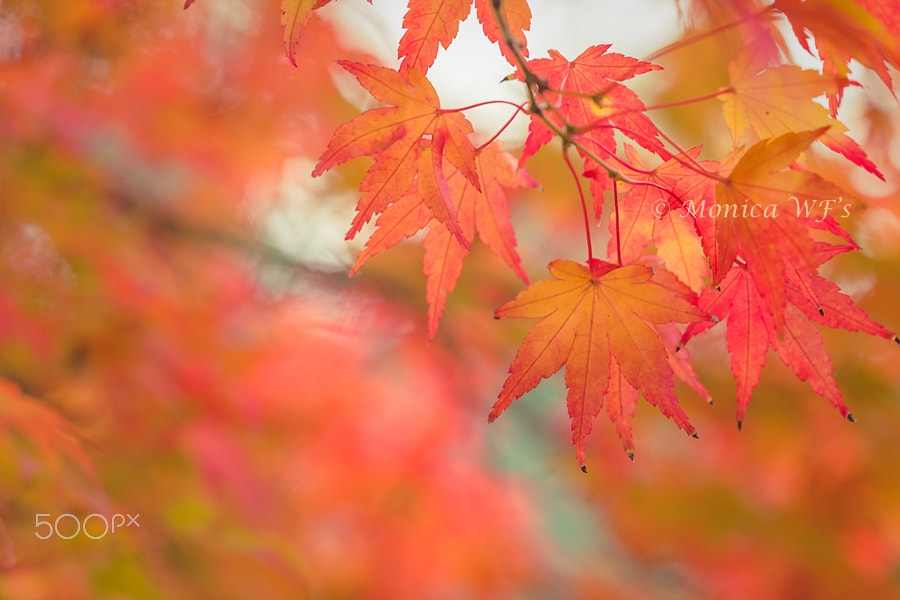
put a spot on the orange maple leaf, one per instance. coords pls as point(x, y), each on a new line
point(429, 23)
point(410, 140)
point(517, 15)
point(600, 322)
point(777, 100)
point(294, 15)
point(485, 210)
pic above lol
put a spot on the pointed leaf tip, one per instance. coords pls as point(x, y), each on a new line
point(584, 468)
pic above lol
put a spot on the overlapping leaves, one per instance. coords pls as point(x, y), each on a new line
point(410, 141)
point(730, 230)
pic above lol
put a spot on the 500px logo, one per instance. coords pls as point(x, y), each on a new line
point(67, 525)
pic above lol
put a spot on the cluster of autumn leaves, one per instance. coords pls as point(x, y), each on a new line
point(278, 444)
point(612, 323)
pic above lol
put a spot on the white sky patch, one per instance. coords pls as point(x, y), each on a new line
point(296, 220)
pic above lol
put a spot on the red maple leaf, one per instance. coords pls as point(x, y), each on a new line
point(756, 216)
point(865, 30)
point(429, 23)
point(751, 328)
point(585, 94)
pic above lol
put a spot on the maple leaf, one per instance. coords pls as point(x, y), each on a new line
point(865, 30)
point(402, 219)
point(410, 140)
point(757, 217)
point(751, 328)
point(646, 216)
point(485, 210)
point(294, 15)
point(747, 334)
point(586, 93)
point(517, 15)
point(429, 23)
point(777, 100)
point(823, 301)
point(621, 397)
point(590, 319)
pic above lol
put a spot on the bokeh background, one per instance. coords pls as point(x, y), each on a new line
point(179, 341)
